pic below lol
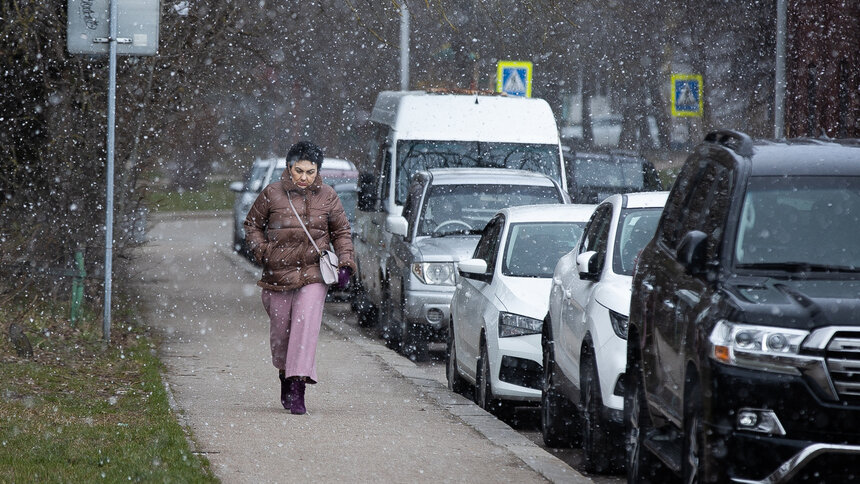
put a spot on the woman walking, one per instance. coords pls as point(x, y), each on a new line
point(278, 230)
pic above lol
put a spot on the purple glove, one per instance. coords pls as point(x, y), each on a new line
point(343, 276)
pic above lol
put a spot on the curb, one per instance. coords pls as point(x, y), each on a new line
point(547, 465)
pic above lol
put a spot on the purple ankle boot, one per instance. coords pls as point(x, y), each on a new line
point(297, 397)
point(285, 391)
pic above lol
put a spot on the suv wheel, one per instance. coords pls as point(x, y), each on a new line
point(693, 456)
point(456, 383)
point(642, 465)
point(557, 415)
point(596, 438)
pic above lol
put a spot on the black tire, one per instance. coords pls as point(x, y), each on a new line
point(693, 457)
point(483, 386)
point(361, 306)
point(456, 383)
point(413, 342)
point(557, 414)
point(596, 431)
point(642, 465)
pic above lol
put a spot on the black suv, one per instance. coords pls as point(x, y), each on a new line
point(593, 176)
point(743, 355)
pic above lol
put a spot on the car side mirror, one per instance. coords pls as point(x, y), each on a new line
point(366, 192)
point(256, 185)
point(474, 269)
point(397, 225)
point(586, 265)
point(236, 186)
point(691, 252)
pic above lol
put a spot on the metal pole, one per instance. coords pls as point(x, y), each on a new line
point(404, 46)
point(779, 82)
point(110, 143)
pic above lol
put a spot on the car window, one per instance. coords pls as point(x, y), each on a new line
point(635, 228)
point(466, 208)
point(800, 220)
point(489, 243)
point(596, 236)
point(533, 249)
point(417, 155)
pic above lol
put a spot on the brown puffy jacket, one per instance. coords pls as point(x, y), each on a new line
point(280, 244)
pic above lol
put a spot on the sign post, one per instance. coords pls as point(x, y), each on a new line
point(514, 78)
point(89, 33)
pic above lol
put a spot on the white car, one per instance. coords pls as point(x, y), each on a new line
point(585, 335)
point(499, 304)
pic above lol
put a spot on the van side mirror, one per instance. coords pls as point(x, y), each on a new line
point(691, 252)
point(366, 192)
point(397, 225)
point(586, 265)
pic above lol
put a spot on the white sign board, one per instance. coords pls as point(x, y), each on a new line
point(137, 27)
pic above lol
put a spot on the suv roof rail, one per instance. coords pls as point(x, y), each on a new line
point(739, 142)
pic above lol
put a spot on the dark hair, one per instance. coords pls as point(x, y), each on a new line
point(305, 150)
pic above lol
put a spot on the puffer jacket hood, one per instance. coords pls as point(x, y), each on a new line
point(280, 244)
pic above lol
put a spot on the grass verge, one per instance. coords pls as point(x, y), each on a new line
point(79, 410)
point(214, 195)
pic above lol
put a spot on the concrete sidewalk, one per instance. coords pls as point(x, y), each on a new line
point(374, 417)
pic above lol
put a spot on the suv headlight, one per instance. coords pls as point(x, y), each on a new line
point(434, 273)
point(766, 348)
point(619, 323)
point(515, 325)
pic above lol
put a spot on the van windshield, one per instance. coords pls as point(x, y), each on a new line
point(415, 155)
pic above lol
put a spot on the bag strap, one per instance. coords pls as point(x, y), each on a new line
point(303, 224)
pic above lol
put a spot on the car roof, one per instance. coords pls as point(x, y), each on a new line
point(639, 199)
point(575, 212)
point(338, 164)
point(801, 157)
point(345, 187)
point(490, 176)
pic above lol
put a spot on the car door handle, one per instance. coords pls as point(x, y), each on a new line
point(374, 221)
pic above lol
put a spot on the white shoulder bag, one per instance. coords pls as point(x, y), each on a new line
point(328, 259)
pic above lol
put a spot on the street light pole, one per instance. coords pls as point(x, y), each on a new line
point(779, 81)
point(404, 46)
point(111, 119)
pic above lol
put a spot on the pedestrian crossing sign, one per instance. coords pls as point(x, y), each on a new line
point(514, 78)
point(687, 95)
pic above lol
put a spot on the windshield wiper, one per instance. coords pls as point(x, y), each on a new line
point(799, 267)
point(457, 232)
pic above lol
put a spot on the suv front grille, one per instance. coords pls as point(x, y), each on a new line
point(843, 363)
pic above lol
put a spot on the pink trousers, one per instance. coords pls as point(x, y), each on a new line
point(294, 327)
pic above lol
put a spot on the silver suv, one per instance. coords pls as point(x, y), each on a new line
point(442, 219)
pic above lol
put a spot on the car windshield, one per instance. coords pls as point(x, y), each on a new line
point(635, 228)
point(602, 172)
point(534, 248)
point(457, 209)
point(255, 179)
point(800, 223)
point(414, 156)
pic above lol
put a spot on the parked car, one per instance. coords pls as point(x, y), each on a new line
point(415, 131)
point(445, 211)
point(744, 336)
point(246, 192)
point(593, 176)
point(498, 306)
point(348, 194)
point(585, 334)
point(264, 171)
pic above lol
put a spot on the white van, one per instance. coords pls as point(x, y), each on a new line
point(414, 131)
